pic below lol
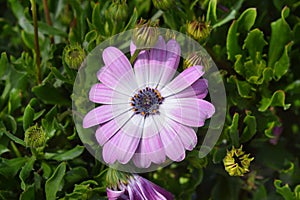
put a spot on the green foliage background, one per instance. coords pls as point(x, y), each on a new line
point(254, 43)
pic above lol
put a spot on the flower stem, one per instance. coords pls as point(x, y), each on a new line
point(47, 16)
point(36, 42)
point(157, 15)
point(15, 149)
point(134, 56)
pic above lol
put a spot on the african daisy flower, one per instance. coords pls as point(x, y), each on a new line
point(138, 188)
point(145, 116)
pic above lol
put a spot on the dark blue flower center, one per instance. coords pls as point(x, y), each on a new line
point(146, 101)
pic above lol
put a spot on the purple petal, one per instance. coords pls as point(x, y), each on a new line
point(183, 80)
point(124, 143)
point(103, 114)
point(114, 195)
point(150, 148)
point(188, 137)
point(171, 63)
point(173, 146)
point(157, 58)
point(100, 93)
point(151, 190)
point(132, 48)
point(107, 130)
point(117, 73)
point(141, 69)
point(197, 89)
point(188, 111)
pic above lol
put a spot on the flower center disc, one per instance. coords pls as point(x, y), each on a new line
point(146, 101)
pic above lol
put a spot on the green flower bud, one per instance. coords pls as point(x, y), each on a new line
point(236, 162)
point(163, 4)
point(197, 58)
point(145, 35)
point(35, 137)
point(199, 30)
point(115, 177)
point(73, 55)
point(118, 10)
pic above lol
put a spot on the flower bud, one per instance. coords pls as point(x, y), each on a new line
point(197, 58)
point(145, 35)
point(163, 4)
point(73, 55)
point(236, 162)
point(199, 30)
point(35, 137)
point(118, 10)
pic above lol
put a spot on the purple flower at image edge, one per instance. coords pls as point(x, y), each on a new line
point(138, 188)
point(146, 115)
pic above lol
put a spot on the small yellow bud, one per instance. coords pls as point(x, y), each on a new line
point(199, 30)
point(236, 162)
point(73, 55)
point(145, 35)
point(35, 137)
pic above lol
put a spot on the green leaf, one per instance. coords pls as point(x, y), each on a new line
point(282, 65)
point(281, 35)
point(46, 170)
point(3, 149)
point(51, 95)
point(28, 117)
point(284, 191)
point(231, 15)
point(269, 130)
point(232, 45)
point(25, 172)
point(211, 15)
point(242, 24)
point(219, 154)
point(277, 99)
point(14, 101)
point(97, 21)
point(297, 192)
point(9, 168)
point(244, 89)
point(75, 175)
point(247, 19)
point(50, 30)
point(53, 184)
point(133, 20)
point(12, 137)
point(254, 42)
point(29, 193)
point(3, 64)
point(233, 130)
point(260, 193)
point(250, 128)
point(67, 155)
point(28, 39)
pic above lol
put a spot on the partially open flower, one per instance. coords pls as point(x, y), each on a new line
point(197, 58)
point(199, 30)
point(145, 34)
point(74, 55)
point(35, 137)
point(236, 162)
point(134, 187)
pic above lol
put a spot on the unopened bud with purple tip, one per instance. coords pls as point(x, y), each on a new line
point(131, 186)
